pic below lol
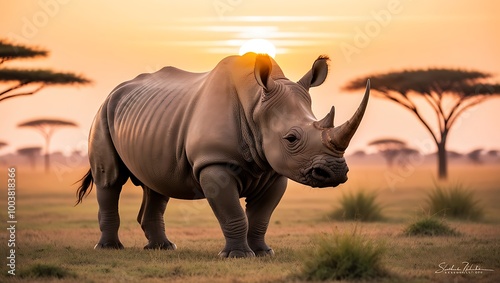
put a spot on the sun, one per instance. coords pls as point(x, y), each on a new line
point(258, 45)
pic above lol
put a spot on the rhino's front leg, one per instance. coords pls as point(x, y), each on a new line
point(151, 219)
point(220, 187)
point(259, 209)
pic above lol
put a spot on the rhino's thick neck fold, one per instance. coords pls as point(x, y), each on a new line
point(251, 139)
point(253, 101)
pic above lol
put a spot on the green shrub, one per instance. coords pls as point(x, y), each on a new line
point(430, 226)
point(47, 271)
point(344, 256)
point(455, 202)
point(361, 206)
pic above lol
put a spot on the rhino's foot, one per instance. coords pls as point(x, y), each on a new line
point(109, 246)
point(268, 252)
point(260, 248)
point(165, 245)
point(236, 253)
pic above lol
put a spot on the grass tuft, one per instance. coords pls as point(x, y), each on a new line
point(454, 202)
point(430, 226)
point(344, 256)
point(47, 271)
point(361, 206)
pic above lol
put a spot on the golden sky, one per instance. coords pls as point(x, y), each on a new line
point(113, 41)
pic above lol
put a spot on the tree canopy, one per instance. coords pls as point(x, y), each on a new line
point(40, 76)
point(9, 51)
point(20, 82)
point(388, 142)
point(47, 123)
point(427, 81)
point(466, 87)
point(35, 150)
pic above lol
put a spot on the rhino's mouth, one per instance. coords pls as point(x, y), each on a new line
point(325, 172)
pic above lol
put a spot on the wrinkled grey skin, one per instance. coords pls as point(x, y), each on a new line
point(237, 131)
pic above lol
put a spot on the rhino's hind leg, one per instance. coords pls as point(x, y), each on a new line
point(109, 175)
point(259, 209)
point(109, 220)
point(151, 219)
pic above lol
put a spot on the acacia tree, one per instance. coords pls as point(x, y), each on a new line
point(392, 148)
point(449, 92)
point(47, 127)
point(3, 144)
point(389, 148)
point(475, 155)
point(20, 82)
point(493, 153)
point(31, 153)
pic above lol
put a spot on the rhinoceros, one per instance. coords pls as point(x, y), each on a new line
point(238, 131)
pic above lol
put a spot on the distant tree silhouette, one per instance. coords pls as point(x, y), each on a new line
point(31, 153)
point(2, 144)
point(389, 148)
point(453, 154)
point(47, 127)
point(20, 82)
point(475, 155)
point(448, 91)
point(404, 155)
point(493, 153)
point(359, 153)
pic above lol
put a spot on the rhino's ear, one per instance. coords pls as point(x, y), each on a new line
point(262, 71)
point(317, 75)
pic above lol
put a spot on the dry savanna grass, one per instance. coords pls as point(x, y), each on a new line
point(360, 206)
point(430, 226)
point(455, 202)
point(55, 239)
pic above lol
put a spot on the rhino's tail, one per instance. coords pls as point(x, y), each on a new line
point(87, 182)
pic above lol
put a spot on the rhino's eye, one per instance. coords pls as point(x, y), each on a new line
point(294, 139)
point(291, 138)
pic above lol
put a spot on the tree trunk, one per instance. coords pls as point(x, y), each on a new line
point(32, 159)
point(442, 160)
point(47, 163)
point(47, 154)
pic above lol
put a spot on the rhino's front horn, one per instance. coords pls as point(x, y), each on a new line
point(339, 137)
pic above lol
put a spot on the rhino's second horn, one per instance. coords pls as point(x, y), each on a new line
point(328, 121)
